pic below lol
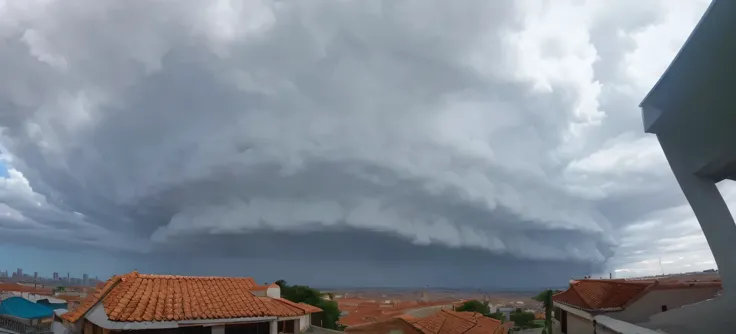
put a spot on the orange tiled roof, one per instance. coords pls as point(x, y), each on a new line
point(592, 294)
point(12, 287)
point(69, 298)
point(387, 326)
point(138, 297)
point(442, 322)
point(602, 295)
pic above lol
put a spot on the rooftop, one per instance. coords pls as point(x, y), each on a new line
point(612, 295)
point(12, 287)
point(138, 297)
point(441, 322)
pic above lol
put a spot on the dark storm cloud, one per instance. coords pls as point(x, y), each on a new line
point(397, 137)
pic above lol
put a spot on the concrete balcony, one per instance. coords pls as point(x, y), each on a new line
point(692, 110)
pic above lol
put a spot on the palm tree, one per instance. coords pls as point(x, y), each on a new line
point(546, 298)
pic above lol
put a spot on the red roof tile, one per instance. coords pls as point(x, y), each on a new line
point(138, 297)
point(442, 322)
point(69, 298)
point(12, 287)
point(590, 294)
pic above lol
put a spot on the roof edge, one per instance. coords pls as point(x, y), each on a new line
point(103, 293)
point(679, 52)
point(99, 318)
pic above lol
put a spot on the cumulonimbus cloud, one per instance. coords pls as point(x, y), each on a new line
point(466, 125)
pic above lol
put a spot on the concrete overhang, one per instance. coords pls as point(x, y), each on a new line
point(699, 83)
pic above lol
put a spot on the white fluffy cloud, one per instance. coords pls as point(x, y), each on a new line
point(507, 127)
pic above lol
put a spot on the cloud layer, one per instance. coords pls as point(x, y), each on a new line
point(378, 134)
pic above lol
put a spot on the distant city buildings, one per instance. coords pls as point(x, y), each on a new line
point(55, 279)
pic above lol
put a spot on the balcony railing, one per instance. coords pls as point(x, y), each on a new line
point(20, 326)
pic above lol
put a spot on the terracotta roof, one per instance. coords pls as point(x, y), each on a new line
point(610, 295)
point(387, 326)
point(138, 297)
point(442, 322)
point(69, 298)
point(12, 287)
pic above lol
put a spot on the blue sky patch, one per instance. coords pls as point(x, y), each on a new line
point(3, 170)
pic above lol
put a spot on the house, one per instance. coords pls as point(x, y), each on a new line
point(577, 310)
point(167, 304)
point(691, 111)
point(441, 322)
point(21, 315)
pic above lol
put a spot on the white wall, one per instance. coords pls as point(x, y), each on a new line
point(652, 302)
point(578, 325)
point(304, 322)
point(273, 291)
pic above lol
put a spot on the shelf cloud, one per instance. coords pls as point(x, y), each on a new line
point(407, 137)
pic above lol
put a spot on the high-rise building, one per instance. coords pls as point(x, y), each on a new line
point(35, 275)
point(67, 278)
point(85, 279)
point(56, 276)
point(19, 272)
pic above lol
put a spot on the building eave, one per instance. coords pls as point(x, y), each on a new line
point(587, 310)
point(98, 317)
point(670, 67)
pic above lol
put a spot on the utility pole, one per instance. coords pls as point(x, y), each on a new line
point(660, 266)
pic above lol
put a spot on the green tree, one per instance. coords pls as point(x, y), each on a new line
point(546, 298)
point(311, 296)
point(474, 306)
point(523, 319)
point(498, 316)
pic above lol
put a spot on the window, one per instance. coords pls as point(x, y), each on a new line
point(664, 308)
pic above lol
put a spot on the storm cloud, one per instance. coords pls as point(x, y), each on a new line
point(402, 139)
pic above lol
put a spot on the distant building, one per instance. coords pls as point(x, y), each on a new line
point(35, 276)
point(441, 322)
point(85, 279)
point(56, 276)
point(577, 309)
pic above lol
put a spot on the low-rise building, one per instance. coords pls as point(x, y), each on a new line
point(577, 309)
point(441, 322)
point(187, 304)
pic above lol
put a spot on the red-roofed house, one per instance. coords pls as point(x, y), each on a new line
point(187, 304)
point(630, 302)
point(441, 322)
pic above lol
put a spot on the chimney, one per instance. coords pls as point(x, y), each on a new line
point(273, 291)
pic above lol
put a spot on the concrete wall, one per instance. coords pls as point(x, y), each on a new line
point(304, 322)
point(273, 291)
point(575, 325)
point(652, 302)
point(578, 325)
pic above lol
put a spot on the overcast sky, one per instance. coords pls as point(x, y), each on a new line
point(341, 142)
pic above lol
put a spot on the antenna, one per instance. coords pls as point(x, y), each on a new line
point(660, 266)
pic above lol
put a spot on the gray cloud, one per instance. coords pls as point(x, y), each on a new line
point(398, 135)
